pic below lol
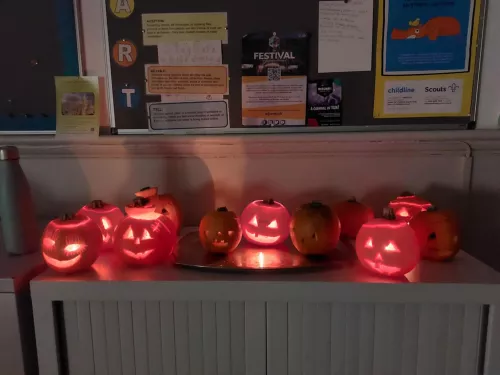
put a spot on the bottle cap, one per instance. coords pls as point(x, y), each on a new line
point(9, 153)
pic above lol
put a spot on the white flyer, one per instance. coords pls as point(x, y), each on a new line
point(345, 36)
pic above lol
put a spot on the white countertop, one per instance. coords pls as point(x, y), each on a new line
point(17, 270)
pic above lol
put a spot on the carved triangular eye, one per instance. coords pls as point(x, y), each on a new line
point(369, 243)
point(392, 248)
point(146, 235)
point(273, 224)
point(129, 234)
point(106, 223)
point(254, 221)
point(403, 212)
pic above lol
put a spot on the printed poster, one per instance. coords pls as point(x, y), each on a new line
point(324, 102)
point(426, 67)
point(274, 79)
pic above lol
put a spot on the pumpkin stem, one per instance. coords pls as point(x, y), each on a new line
point(67, 217)
point(388, 214)
point(96, 204)
point(140, 201)
point(352, 200)
point(407, 194)
point(315, 204)
point(145, 188)
point(222, 209)
point(269, 201)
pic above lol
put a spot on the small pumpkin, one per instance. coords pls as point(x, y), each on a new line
point(438, 234)
point(106, 216)
point(164, 203)
point(352, 215)
point(408, 205)
point(220, 231)
point(315, 229)
point(71, 243)
point(388, 246)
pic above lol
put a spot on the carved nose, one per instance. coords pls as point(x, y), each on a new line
point(219, 233)
point(379, 258)
point(137, 241)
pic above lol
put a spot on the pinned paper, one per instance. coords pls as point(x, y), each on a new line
point(206, 52)
point(345, 36)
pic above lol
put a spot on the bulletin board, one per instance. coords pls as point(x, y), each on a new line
point(39, 42)
point(359, 93)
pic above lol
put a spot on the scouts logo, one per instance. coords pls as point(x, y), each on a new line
point(274, 42)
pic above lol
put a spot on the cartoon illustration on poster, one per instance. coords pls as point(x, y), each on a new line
point(274, 79)
point(427, 36)
point(324, 100)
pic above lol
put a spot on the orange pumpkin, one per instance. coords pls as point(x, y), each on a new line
point(315, 229)
point(352, 215)
point(408, 205)
point(165, 204)
point(220, 231)
point(438, 234)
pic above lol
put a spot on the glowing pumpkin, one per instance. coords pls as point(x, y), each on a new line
point(144, 237)
point(265, 223)
point(106, 216)
point(438, 234)
point(388, 246)
point(408, 205)
point(220, 231)
point(71, 243)
point(352, 215)
point(315, 229)
point(165, 204)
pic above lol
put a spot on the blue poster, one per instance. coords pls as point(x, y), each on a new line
point(427, 36)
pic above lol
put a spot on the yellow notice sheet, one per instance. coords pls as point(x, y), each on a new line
point(175, 27)
point(77, 105)
point(187, 79)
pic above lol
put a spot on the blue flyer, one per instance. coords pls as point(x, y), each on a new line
point(427, 36)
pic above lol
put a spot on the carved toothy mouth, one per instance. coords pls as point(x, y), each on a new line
point(267, 240)
point(61, 264)
point(412, 37)
point(382, 268)
point(139, 256)
point(221, 244)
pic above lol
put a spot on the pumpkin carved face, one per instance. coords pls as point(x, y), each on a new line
point(220, 231)
point(265, 223)
point(352, 215)
point(106, 216)
point(408, 205)
point(71, 244)
point(437, 233)
point(315, 229)
point(164, 204)
point(387, 246)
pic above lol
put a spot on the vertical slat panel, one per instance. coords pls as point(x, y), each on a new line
point(72, 340)
point(308, 339)
point(181, 337)
point(86, 351)
point(322, 342)
point(492, 359)
point(209, 338)
point(410, 339)
point(255, 338)
point(366, 338)
point(441, 326)
point(195, 330)
point(352, 339)
point(454, 339)
point(45, 328)
point(277, 338)
point(154, 337)
point(470, 347)
point(223, 318)
point(140, 337)
point(99, 338)
point(237, 312)
point(295, 322)
point(429, 353)
point(389, 328)
point(167, 337)
point(127, 338)
point(338, 339)
point(113, 341)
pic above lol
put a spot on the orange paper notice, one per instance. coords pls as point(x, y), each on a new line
point(187, 79)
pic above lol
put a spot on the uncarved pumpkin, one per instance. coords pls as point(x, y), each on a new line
point(408, 205)
point(352, 215)
point(315, 229)
point(220, 231)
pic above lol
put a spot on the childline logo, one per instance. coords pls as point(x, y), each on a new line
point(400, 90)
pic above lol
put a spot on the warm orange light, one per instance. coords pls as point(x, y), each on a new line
point(106, 223)
point(261, 260)
point(273, 224)
point(146, 235)
point(369, 243)
point(49, 242)
point(129, 234)
point(254, 221)
point(392, 248)
point(71, 248)
point(403, 212)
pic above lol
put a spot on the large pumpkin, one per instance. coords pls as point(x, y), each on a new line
point(352, 215)
point(438, 234)
point(220, 231)
point(106, 216)
point(388, 246)
point(164, 204)
point(71, 243)
point(144, 237)
point(408, 205)
point(315, 229)
point(265, 222)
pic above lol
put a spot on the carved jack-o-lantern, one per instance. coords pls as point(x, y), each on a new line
point(164, 204)
point(438, 234)
point(388, 246)
point(265, 222)
point(144, 237)
point(352, 215)
point(408, 205)
point(71, 243)
point(220, 231)
point(106, 216)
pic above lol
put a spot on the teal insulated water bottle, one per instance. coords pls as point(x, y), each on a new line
point(18, 226)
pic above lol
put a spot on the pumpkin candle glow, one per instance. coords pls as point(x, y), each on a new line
point(106, 216)
point(408, 205)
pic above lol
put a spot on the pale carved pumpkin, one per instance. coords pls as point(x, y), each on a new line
point(438, 234)
point(106, 216)
point(352, 215)
point(164, 204)
point(144, 237)
point(388, 246)
point(71, 243)
point(265, 223)
point(220, 231)
point(408, 205)
point(315, 229)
